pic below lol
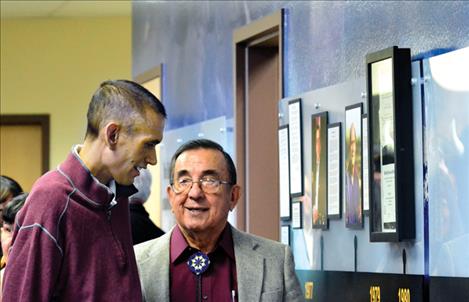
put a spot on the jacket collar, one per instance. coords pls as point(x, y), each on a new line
point(94, 192)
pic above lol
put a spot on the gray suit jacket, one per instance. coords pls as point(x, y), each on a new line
point(265, 269)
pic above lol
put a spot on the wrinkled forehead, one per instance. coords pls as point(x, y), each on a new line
point(201, 161)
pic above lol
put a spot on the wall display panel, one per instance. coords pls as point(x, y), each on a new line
point(284, 173)
point(319, 169)
point(338, 241)
point(352, 167)
point(334, 171)
point(391, 144)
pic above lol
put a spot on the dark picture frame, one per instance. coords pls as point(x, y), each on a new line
point(391, 187)
point(352, 167)
point(297, 215)
point(334, 171)
point(285, 234)
point(295, 121)
point(319, 123)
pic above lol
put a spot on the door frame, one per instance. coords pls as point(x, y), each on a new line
point(42, 120)
point(251, 34)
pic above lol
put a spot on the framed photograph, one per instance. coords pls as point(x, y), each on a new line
point(319, 169)
point(390, 140)
point(296, 147)
point(297, 215)
point(365, 164)
point(353, 170)
point(285, 234)
point(284, 173)
point(334, 168)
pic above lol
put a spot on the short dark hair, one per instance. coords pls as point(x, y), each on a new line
point(13, 207)
point(8, 186)
point(204, 144)
point(122, 100)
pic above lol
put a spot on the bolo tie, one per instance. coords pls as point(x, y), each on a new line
point(198, 263)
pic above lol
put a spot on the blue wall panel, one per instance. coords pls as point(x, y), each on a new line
point(326, 43)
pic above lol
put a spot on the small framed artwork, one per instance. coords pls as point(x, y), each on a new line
point(285, 234)
point(284, 173)
point(296, 147)
point(390, 140)
point(319, 169)
point(297, 215)
point(334, 175)
point(353, 178)
point(365, 164)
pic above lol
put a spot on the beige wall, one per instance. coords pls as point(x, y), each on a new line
point(53, 66)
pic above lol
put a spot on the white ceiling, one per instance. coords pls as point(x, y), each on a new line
point(64, 9)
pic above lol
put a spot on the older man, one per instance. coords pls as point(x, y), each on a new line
point(204, 258)
point(72, 240)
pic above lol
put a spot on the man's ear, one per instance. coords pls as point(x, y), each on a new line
point(235, 194)
point(112, 131)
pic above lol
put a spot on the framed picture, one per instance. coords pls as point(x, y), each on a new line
point(284, 173)
point(365, 164)
point(285, 234)
point(297, 215)
point(334, 175)
point(296, 147)
point(353, 170)
point(319, 169)
point(390, 140)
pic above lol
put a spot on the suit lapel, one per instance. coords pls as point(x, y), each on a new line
point(249, 267)
point(155, 270)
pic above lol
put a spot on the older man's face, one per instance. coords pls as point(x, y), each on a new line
point(198, 212)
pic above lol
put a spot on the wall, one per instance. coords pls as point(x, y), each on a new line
point(326, 43)
point(53, 66)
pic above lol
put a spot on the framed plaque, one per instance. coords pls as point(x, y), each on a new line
point(296, 147)
point(297, 215)
point(390, 140)
point(284, 173)
point(365, 164)
point(353, 171)
point(334, 175)
point(319, 169)
point(285, 234)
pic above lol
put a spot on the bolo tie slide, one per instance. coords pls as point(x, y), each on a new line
point(198, 263)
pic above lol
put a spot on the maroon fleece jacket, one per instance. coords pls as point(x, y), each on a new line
point(72, 241)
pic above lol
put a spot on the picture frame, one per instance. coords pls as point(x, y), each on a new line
point(285, 234)
point(390, 140)
point(297, 215)
point(352, 167)
point(284, 172)
point(334, 171)
point(295, 147)
point(319, 123)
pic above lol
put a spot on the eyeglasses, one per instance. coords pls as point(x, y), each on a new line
point(207, 184)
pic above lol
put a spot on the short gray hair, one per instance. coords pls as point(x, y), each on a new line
point(143, 185)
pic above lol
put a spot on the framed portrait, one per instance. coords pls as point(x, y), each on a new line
point(352, 167)
point(284, 173)
point(390, 140)
point(296, 147)
point(334, 168)
point(365, 164)
point(319, 169)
